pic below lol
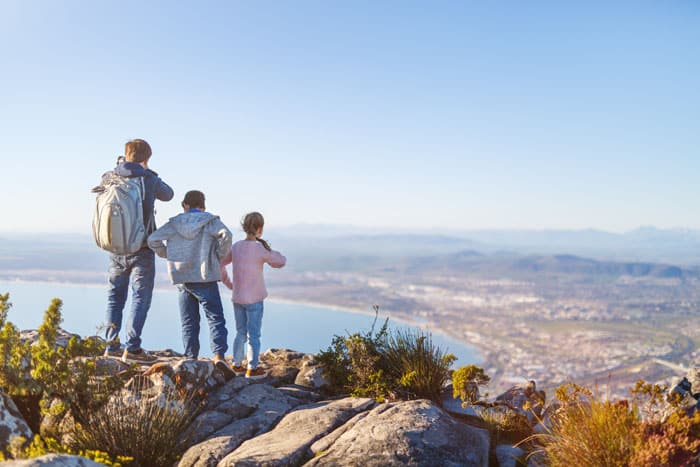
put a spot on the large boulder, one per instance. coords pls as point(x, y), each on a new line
point(417, 433)
point(12, 423)
point(54, 460)
point(288, 443)
point(232, 420)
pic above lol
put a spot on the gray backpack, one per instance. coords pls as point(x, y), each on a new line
point(118, 221)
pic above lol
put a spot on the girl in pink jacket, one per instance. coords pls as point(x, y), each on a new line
point(248, 257)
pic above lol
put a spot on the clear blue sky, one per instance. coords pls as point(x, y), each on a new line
point(451, 115)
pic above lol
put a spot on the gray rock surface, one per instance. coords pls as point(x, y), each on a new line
point(416, 433)
point(327, 441)
point(311, 375)
point(250, 412)
point(54, 460)
point(508, 455)
point(62, 336)
point(288, 443)
point(11, 422)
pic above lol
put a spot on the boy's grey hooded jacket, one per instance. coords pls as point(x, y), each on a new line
point(195, 243)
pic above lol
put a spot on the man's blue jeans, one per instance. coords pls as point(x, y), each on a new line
point(140, 270)
point(193, 294)
point(248, 327)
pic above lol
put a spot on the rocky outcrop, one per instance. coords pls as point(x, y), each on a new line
point(289, 442)
point(241, 409)
point(406, 433)
point(12, 423)
point(54, 460)
point(282, 420)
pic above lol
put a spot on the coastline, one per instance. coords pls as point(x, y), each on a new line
point(426, 326)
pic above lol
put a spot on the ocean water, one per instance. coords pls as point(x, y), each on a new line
point(301, 327)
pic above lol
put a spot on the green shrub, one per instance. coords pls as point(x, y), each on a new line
point(419, 368)
point(383, 365)
point(153, 430)
point(45, 378)
point(466, 381)
point(353, 364)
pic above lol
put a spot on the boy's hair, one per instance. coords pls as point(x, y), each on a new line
point(194, 199)
point(137, 150)
point(252, 222)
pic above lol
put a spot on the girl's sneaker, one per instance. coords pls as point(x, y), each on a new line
point(255, 373)
point(238, 369)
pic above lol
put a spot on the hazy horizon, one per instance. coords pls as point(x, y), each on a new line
point(349, 229)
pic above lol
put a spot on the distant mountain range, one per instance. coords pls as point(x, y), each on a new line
point(646, 244)
point(504, 265)
point(645, 251)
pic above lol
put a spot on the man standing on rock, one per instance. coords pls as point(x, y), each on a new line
point(136, 268)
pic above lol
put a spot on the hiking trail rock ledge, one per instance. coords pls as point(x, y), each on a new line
point(285, 420)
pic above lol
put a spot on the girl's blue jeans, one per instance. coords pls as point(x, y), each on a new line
point(248, 328)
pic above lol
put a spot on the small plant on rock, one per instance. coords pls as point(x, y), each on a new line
point(384, 365)
point(420, 368)
point(466, 381)
point(353, 363)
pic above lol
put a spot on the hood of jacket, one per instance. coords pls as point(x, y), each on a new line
point(132, 169)
point(189, 224)
point(129, 169)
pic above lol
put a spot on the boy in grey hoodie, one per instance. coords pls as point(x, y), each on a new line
point(195, 242)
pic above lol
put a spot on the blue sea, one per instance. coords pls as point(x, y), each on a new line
point(301, 327)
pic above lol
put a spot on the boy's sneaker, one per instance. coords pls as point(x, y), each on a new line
point(255, 373)
point(223, 366)
point(113, 352)
point(238, 369)
point(139, 356)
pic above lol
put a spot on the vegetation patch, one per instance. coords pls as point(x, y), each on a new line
point(108, 423)
point(402, 364)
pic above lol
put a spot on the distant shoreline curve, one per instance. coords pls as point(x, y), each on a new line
point(431, 328)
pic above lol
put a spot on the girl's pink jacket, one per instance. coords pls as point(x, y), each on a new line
point(248, 258)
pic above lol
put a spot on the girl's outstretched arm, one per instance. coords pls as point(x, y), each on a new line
point(225, 279)
point(275, 259)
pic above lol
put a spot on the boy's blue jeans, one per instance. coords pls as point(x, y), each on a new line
point(140, 270)
point(248, 327)
point(191, 295)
